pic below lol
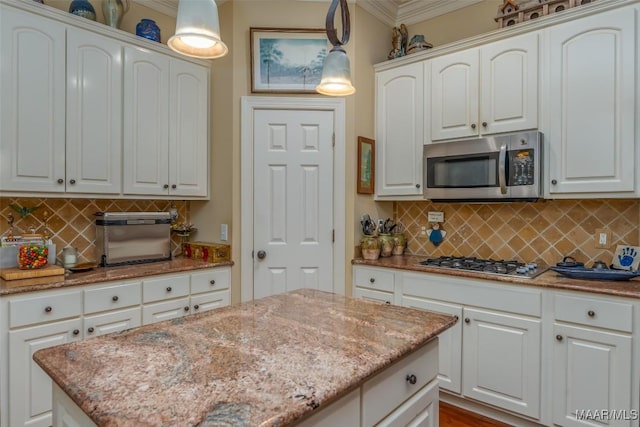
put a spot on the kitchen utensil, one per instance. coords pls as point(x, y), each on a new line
point(596, 273)
point(569, 262)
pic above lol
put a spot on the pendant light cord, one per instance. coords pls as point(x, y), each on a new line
point(332, 34)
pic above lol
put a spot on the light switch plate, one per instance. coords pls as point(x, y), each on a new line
point(224, 232)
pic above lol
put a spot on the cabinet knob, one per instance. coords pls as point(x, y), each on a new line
point(60, 181)
point(73, 181)
point(591, 313)
point(212, 282)
point(412, 379)
point(484, 124)
point(165, 186)
point(195, 307)
point(456, 317)
point(90, 330)
point(76, 331)
point(559, 337)
point(473, 125)
point(372, 280)
point(48, 309)
point(417, 185)
point(114, 298)
point(554, 181)
point(388, 302)
point(173, 186)
point(168, 288)
point(467, 320)
point(186, 308)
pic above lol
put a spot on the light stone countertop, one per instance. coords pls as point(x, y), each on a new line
point(268, 362)
point(548, 279)
point(105, 274)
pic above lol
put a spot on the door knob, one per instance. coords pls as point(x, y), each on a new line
point(262, 254)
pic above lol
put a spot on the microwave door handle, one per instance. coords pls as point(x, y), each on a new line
point(502, 169)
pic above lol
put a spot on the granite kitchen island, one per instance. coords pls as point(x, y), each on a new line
point(270, 362)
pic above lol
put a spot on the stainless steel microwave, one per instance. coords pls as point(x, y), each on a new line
point(497, 168)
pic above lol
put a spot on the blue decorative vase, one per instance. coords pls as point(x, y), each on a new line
point(148, 29)
point(82, 8)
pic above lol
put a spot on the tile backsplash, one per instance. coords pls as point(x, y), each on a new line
point(545, 231)
point(71, 221)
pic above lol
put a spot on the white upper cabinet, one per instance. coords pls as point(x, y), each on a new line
point(32, 102)
point(165, 125)
point(400, 130)
point(486, 90)
point(592, 110)
point(94, 113)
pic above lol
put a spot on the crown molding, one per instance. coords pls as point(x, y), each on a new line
point(167, 7)
point(409, 12)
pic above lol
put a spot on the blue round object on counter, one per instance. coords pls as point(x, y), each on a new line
point(148, 29)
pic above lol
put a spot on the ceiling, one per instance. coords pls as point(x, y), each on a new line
point(391, 12)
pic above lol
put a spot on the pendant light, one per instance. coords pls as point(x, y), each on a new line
point(198, 30)
point(336, 72)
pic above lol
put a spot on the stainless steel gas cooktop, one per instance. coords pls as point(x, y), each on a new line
point(488, 266)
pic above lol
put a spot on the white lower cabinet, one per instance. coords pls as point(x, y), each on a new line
point(374, 284)
point(592, 384)
point(501, 360)
point(36, 320)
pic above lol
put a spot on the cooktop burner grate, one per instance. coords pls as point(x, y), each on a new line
point(489, 266)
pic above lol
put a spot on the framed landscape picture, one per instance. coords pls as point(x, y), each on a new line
point(287, 60)
point(366, 165)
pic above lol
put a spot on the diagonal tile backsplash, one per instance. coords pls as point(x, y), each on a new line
point(71, 221)
point(544, 231)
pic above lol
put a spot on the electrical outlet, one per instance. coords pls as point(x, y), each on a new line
point(602, 238)
point(423, 232)
point(224, 232)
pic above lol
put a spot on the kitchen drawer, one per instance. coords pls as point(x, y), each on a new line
point(386, 391)
point(165, 287)
point(46, 307)
point(420, 410)
point(374, 278)
point(165, 310)
point(595, 312)
point(373, 295)
point(209, 301)
point(113, 321)
point(210, 280)
point(112, 297)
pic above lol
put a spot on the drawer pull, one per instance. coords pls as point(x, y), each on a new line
point(467, 320)
point(388, 302)
point(412, 379)
point(90, 330)
point(559, 337)
point(76, 331)
point(456, 317)
point(114, 298)
point(168, 288)
point(186, 308)
point(591, 313)
point(195, 307)
point(372, 280)
point(60, 181)
point(48, 309)
point(212, 282)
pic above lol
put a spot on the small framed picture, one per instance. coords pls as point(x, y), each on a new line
point(287, 60)
point(366, 165)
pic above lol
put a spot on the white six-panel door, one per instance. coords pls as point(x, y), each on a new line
point(293, 200)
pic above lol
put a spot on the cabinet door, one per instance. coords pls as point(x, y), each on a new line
point(94, 113)
point(454, 95)
point(449, 342)
point(591, 372)
point(32, 104)
point(146, 124)
point(188, 124)
point(509, 85)
point(592, 107)
point(501, 360)
point(30, 396)
point(399, 130)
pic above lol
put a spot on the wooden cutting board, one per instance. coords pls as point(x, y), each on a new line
point(16, 273)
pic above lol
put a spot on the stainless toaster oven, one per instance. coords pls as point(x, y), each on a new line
point(133, 237)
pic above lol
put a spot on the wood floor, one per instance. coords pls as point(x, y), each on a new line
point(452, 416)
